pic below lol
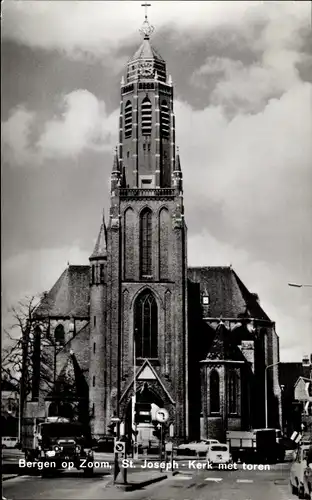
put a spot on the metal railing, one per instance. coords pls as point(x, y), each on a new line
point(142, 192)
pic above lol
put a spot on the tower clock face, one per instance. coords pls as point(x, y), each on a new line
point(146, 69)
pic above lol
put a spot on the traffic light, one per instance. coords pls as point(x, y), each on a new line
point(157, 430)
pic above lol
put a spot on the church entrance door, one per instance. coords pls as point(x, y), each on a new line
point(144, 415)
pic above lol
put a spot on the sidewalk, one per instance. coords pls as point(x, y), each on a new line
point(138, 480)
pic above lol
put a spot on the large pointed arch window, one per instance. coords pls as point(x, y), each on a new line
point(214, 392)
point(128, 119)
point(146, 116)
point(146, 243)
point(146, 325)
point(233, 392)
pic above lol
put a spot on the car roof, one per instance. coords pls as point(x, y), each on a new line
point(219, 444)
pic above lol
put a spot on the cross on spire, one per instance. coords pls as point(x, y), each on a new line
point(146, 5)
point(147, 29)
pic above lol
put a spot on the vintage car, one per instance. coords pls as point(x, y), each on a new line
point(301, 472)
point(196, 447)
point(59, 444)
point(218, 454)
point(9, 442)
point(63, 442)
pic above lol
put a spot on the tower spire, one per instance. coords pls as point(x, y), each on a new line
point(147, 29)
point(104, 226)
point(100, 249)
point(116, 169)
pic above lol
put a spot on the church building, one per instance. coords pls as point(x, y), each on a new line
point(137, 320)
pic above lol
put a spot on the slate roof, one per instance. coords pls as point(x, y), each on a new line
point(146, 51)
point(69, 296)
point(228, 296)
point(100, 249)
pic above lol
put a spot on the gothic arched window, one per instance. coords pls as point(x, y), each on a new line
point(146, 116)
point(214, 392)
point(165, 118)
point(233, 386)
point(59, 334)
point(146, 243)
point(146, 325)
point(128, 119)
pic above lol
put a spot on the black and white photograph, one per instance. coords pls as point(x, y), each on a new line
point(156, 162)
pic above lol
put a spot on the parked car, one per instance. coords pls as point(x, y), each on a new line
point(10, 442)
point(196, 447)
point(218, 454)
point(301, 472)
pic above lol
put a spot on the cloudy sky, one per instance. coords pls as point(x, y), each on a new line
point(242, 75)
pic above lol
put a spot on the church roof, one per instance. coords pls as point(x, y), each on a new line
point(100, 249)
point(69, 296)
point(228, 296)
point(146, 51)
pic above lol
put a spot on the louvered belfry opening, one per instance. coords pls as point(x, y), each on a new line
point(146, 116)
point(128, 119)
point(165, 119)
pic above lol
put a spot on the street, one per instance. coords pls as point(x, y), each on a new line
point(186, 485)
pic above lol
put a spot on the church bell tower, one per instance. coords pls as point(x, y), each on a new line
point(146, 327)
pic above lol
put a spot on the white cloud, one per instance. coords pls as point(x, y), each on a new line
point(81, 28)
point(255, 153)
point(246, 88)
point(278, 48)
point(82, 123)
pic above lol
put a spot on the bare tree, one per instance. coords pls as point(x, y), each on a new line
point(26, 355)
point(30, 357)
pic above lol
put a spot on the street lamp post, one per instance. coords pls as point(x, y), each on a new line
point(135, 450)
point(54, 364)
point(300, 285)
point(266, 390)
